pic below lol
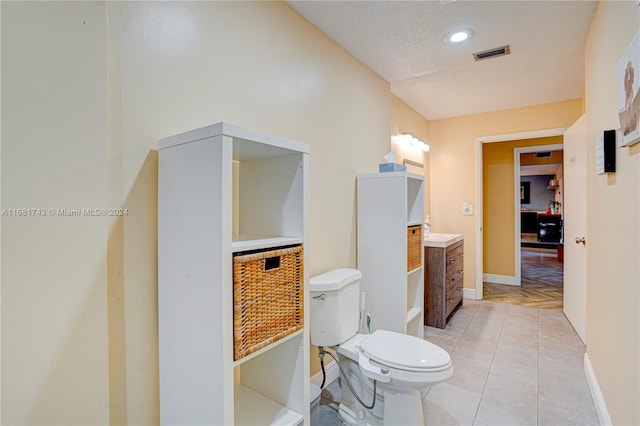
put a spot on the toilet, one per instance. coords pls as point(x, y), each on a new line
point(402, 366)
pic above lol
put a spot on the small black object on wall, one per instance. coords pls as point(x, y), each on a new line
point(606, 152)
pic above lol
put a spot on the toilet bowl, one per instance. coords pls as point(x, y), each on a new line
point(406, 365)
point(401, 365)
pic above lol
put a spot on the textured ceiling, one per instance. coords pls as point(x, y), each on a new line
point(402, 41)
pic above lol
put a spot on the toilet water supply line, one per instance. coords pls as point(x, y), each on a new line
point(321, 354)
point(324, 375)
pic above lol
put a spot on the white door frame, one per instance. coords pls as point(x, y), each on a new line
point(479, 189)
point(516, 200)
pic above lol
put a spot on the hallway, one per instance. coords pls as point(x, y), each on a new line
point(542, 282)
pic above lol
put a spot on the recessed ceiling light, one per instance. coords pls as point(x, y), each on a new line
point(458, 35)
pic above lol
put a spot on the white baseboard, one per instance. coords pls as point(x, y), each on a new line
point(469, 293)
point(499, 279)
point(596, 393)
point(331, 370)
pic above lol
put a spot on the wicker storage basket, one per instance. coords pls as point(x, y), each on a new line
point(414, 241)
point(267, 298)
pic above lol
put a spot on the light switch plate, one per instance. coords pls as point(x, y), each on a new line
point(467, 209)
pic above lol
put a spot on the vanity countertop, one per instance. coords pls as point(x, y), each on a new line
point(441, 240)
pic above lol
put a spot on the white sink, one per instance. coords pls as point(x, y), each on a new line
point(441, 240)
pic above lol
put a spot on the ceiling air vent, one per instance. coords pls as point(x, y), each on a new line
point(492, 53)
point(543, 154)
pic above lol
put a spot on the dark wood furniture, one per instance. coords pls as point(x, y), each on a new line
point(560, 252)
point(442, 282)
point(549, 228)
point(529, 222)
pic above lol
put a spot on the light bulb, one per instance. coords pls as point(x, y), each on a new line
point(458, 37)
point(408, 137)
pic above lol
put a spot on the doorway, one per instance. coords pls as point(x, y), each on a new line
point(510, 275)
point(515, 271)
point(537, 216)
point(575, 168)
point(538, 172)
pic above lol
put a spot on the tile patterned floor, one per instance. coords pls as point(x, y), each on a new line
point(542, 282)
point(514, 365)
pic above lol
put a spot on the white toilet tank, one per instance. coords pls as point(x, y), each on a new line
point(335, 306)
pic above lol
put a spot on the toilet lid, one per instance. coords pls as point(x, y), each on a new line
point(404, 352)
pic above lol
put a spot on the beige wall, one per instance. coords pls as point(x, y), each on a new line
point(613, 223)
point(498, 203)
point(54, 268)
point(406, 120)
point(452, 163)
point(87, 90)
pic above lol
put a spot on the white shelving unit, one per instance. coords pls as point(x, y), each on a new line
point(224, 189)
point(388, 203)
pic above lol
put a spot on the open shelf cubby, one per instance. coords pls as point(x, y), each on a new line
point(269, 387)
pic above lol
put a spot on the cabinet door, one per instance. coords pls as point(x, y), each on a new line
point(528, 222)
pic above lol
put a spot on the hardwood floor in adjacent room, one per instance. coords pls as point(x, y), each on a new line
point(542, 282)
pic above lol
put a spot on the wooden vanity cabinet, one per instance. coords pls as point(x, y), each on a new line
point(443, 282)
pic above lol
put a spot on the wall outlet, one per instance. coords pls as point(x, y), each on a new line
point(467, 209)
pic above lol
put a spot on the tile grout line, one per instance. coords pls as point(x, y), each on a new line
point(577, 342)
point(457, 340)
point(463, 331)
point(484, 385)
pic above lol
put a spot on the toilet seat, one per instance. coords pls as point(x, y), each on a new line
point(392, 360)
point(403, 352)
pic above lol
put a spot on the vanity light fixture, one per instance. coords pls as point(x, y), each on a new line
point(409, 139)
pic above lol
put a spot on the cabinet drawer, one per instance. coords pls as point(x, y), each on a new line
point(454, 296)
point(455, 268)
point(453, 280)
point(455, 253)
